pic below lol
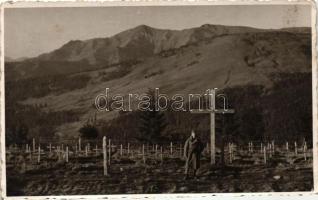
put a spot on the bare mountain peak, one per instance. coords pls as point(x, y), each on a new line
point(210, 25)
point(143, 27)
point(140, 42)
point(138, 30)
point(72, 43)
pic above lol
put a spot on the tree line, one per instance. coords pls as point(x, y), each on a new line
point(280, 112)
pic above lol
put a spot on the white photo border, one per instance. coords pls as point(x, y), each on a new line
point(106, 3)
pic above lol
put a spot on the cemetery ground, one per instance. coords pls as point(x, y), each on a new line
point(156, 171)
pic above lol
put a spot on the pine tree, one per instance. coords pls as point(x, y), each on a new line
point(89, 130)
point(152, 123)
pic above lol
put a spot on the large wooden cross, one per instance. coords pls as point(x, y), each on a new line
point(212, 111)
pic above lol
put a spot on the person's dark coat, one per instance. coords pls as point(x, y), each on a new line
point(192, 152)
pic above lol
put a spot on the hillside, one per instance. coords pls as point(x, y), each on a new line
point(182, 61)
point(77, 56)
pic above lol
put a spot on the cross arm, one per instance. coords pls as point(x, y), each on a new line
point(201, 111)
point(220, 111)
point(224, 111)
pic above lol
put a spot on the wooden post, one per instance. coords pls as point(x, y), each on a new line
point(232, 149)
point(161, 156)
point(296, 148)
point(212, 129)
point(252, 147)
point(229, 149)
point(156, 150)
point(265, 160)
point(270, 150)
point(121, 150)
point(88, 147)
point(62, 147)
point(39, 153)
point(66, 155)
point(58, 153)
point(287, 146)
point(230, 152)
point(105, 156)
point(86, 151)
point(27, 148)
point(143, 153)
point(249, 147)
point(79, 145)
point(50, 148)
point(261, 147)
point(109, 150)
point(273, 146)
point(305, 151)
point(128, 149)
point(75, 149)
point(171, 146)
point(33, 141)
point(96, 150)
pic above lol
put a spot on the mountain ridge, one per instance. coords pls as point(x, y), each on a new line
point(132, 45)
point(157, 40)
point(137, 59)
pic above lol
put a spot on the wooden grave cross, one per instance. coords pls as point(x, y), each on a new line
point(212, 111)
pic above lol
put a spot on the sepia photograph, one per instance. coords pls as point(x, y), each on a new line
point(157, 99)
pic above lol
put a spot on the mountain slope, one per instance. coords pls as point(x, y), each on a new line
point(146, 39)
point(178, 62)
point(97, 53)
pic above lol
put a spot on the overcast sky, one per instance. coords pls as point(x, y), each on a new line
point(32, 31)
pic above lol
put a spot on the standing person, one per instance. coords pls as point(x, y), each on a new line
point(192, 152)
